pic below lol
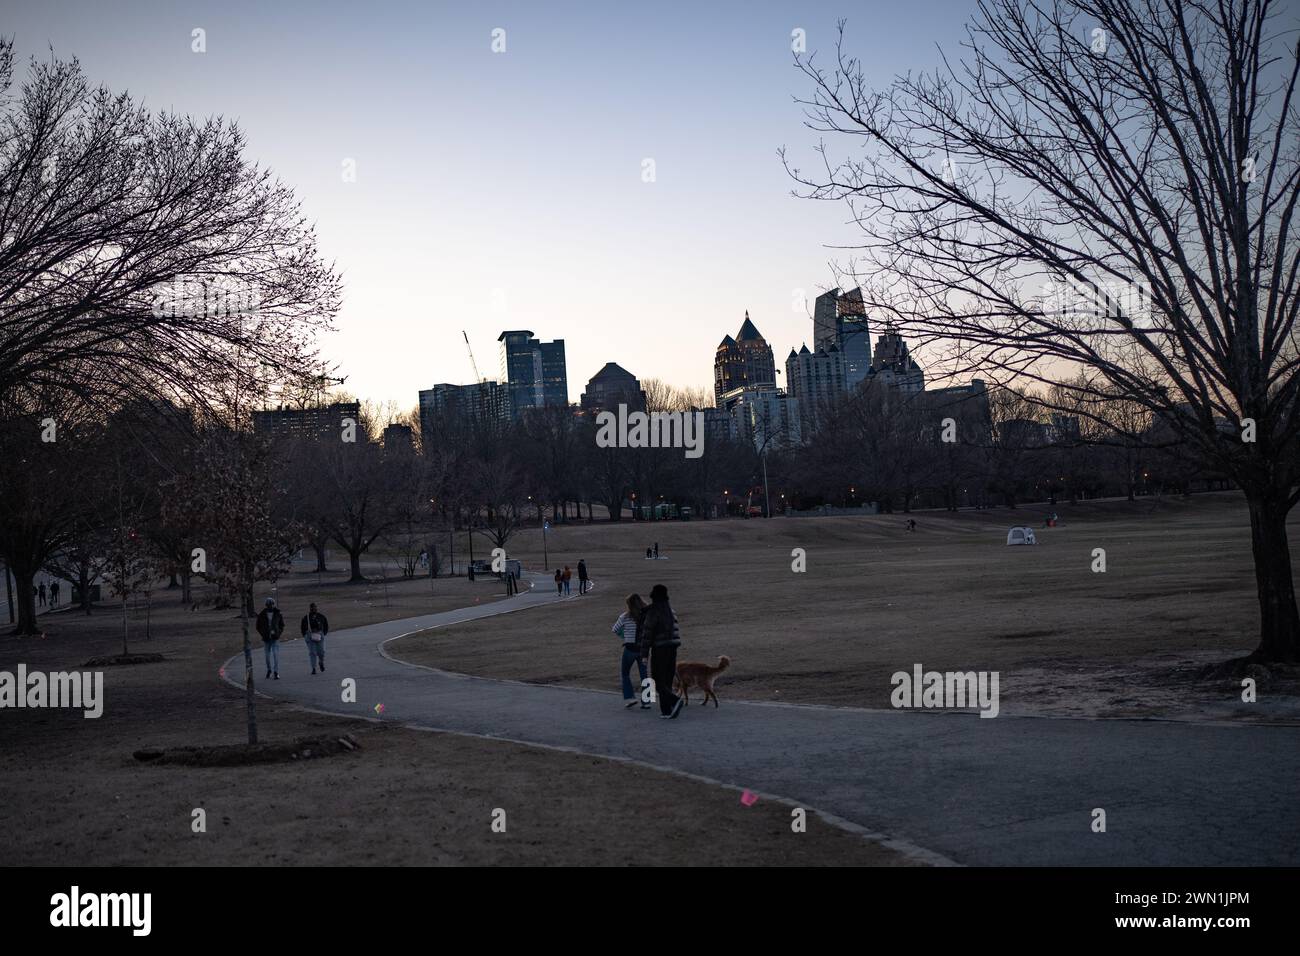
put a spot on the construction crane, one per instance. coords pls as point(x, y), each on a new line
point(477, 377)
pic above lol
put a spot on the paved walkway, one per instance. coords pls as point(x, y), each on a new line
point(943, 787)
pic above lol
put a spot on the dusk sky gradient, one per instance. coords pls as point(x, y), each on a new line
point(521, 171)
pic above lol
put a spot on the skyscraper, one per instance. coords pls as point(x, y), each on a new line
point(743, 362)
point(533, 371)
point(895, 364)
point(840, 319)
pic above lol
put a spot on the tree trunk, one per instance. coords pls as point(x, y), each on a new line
point(320, 558)
point(23, 581)
point(249, 696)
point(83, 579)
point(354, 557)
point(187, 580)
point(1279, 625)
point(172, 583)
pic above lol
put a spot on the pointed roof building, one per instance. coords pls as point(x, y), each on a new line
point(745, 361)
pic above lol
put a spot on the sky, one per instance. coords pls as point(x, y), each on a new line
point(507, 190)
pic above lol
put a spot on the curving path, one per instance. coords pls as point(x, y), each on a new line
point(940, 787)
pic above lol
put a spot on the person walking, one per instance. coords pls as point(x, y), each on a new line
point(314, 628)
point(270, 624)
point(626, 628)
point(41, 591)
point(54, 594)
point(582, 575)
point(559, 582)
point(659, 637)
point(567, 575)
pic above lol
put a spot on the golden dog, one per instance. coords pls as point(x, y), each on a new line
point(699, 675)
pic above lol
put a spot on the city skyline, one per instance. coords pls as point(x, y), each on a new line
point(479, 204)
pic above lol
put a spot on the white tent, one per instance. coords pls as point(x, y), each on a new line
point(1021, 536)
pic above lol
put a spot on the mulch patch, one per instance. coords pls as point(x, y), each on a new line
point(242, 755)
point(118, 659)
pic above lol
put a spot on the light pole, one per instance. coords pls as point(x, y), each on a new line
point(767, 498)
point(546, 561)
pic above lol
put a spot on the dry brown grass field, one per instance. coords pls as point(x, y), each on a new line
point(1177, 594)
point(72, 794)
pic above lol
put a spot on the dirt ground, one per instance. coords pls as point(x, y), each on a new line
point(1177, 594)
point(72, 794)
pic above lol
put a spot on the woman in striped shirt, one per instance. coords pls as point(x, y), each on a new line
point(626, 628)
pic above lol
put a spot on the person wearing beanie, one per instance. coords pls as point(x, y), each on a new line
point(270, 624)
point(660, 636)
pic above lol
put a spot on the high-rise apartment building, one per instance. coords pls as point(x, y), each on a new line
point(457, 406)
point(534, 371)
point(815, 379)
point(312, 422)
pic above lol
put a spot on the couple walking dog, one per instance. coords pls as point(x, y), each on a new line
point(270, 624)
point(651, 632)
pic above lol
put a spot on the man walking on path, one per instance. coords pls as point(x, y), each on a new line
point(582, 576)
point(41, 591)
point(660, 637)
point(270, 624)
point(314, 628)
point(54, 594)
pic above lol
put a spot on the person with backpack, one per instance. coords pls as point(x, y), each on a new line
point(659, 636)
point(626, 628)
point(270, 624)
point(314, 628)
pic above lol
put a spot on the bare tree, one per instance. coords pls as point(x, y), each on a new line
point(1101, 192)
point(140, 252)
point(232, 493)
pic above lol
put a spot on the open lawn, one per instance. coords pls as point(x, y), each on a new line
point(1177, 594)
point(72, 794)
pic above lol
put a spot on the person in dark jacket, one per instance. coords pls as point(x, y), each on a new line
point(659, 636)
point(314, 628)
point(270, 624)
point(582, 576)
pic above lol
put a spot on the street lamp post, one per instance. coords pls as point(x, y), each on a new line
point(767, 498)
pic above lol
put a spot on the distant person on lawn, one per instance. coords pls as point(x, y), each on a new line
point(582, 576)
point(314, 628)
point(626, 628)
point(42, 593)
point(270, 624)
point(568, 575)
point(659, 636)
point(559, 582)
point(54, 594)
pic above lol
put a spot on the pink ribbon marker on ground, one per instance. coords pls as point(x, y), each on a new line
point(749, 799)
